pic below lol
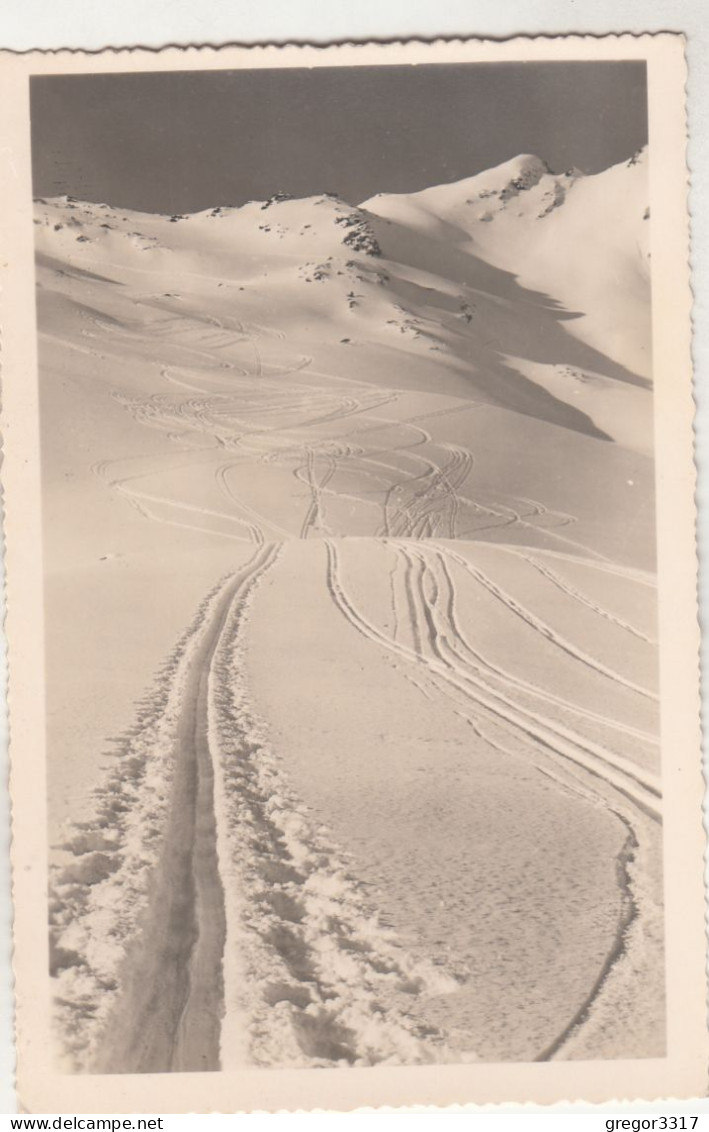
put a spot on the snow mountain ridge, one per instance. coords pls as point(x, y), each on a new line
point(529, 288)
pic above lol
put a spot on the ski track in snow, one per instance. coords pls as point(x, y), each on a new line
point(428, 504)
point(432, 649)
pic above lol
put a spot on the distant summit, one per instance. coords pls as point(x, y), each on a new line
point(484, 195)
point(436, 269)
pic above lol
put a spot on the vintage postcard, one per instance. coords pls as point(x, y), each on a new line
point(347, 427)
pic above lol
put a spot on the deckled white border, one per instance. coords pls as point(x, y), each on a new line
point(680, 567)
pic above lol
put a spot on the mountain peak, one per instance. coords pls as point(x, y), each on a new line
point(526, 167)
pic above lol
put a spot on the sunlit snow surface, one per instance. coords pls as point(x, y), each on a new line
point(395, 795)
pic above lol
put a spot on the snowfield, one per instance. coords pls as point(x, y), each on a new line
point(395, 795)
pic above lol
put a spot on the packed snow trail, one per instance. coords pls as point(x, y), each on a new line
point(168, 1017)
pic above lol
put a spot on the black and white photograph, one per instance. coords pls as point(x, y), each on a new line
point(349, 549)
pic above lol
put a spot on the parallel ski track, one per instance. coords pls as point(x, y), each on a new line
point(432, 650)
point(545, 630)
point(582, 599)
point(526, 686)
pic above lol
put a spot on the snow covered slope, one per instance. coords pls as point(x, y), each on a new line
point(582, 240)
point(397, 457)
point(534, 288)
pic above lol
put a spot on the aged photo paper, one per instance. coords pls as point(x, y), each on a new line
point(348, 474)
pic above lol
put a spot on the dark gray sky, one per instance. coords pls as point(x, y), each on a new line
point(182, 141)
